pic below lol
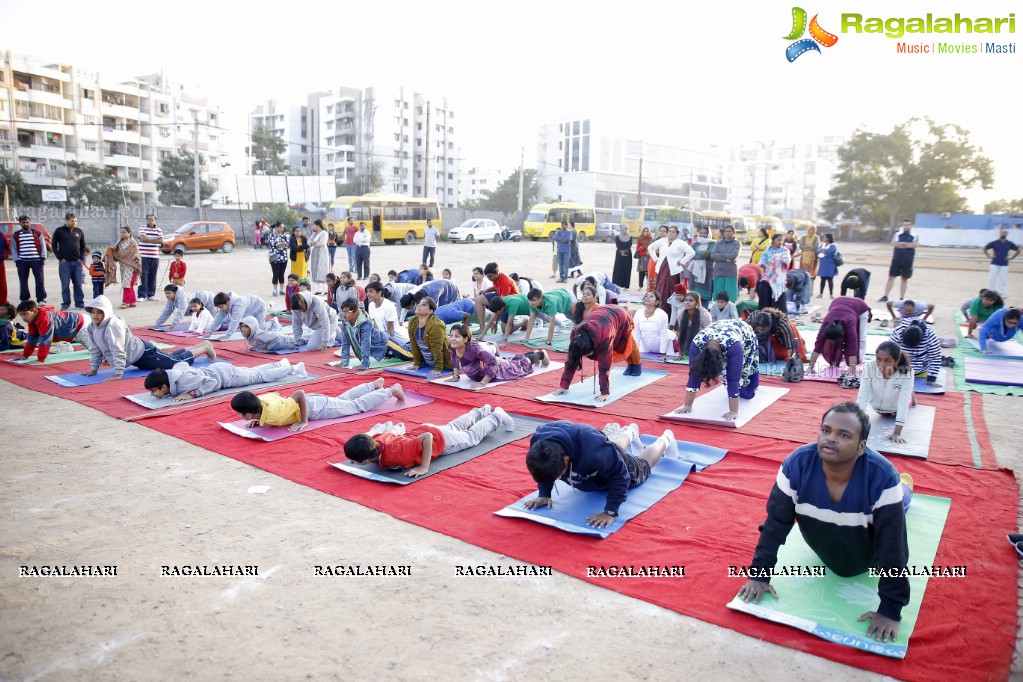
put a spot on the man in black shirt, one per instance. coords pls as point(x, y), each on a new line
point(69, 248)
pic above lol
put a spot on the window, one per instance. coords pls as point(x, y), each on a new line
point(419, 126)
point(303, 163)
point(451, 176)
point(303, 147)
point(88, 94)
point(397, 137)
point(451, 145)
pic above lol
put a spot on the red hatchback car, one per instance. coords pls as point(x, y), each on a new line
point(7, 228)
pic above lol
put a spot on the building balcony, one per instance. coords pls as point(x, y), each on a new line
point(32, 67)
point(41, 96)
point(122, 160)
point(120, 111)
point(46, 178)
point(42, 151)
point(121, 135)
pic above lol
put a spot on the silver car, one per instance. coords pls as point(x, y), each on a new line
point(607, 231)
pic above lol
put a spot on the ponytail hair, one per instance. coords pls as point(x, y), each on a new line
point(902, 363)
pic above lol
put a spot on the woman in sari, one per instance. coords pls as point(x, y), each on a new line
point(319, 259)
point(673, 255)
point(642, 255)
point(125, 255)
point(808, 245)
point(774, 266)
point(297, 248)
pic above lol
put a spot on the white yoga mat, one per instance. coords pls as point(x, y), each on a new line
point(710, 407)
point(916, 431)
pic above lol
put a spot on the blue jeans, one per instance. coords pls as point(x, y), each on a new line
point(350, 248)
point(563, 264)
point(154, 358)
point(71, 270)
point(147, 281)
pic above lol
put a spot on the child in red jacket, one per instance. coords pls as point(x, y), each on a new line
point(178, 268)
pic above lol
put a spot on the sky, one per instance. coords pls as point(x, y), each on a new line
point(665, 72)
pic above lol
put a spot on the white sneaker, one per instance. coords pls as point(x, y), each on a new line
point(506, 420)
point(62, 347)
point(298, 369)
point(485, 410)
point(284, 362)
point(672, 449)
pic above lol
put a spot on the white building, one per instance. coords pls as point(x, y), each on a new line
point(579, 161)
point(474, 181)
point(54, 113)
point(292, 125)
point(787, 179)
point(408, 136)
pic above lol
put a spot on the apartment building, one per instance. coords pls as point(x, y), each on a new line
point(475, 181)
point(783, 178)
point(51, 114)
point(292, 125)
point(409, 137)
point(578, 160)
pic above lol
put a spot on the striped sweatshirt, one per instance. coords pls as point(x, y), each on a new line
point(927, 356)
point(865, 529)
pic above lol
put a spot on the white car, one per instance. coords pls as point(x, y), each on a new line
point(476, 230)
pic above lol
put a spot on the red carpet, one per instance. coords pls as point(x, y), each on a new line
point(707, 525)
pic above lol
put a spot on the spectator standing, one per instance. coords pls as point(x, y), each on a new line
point(319, 259)
point(150, 239)
point(257, 236)
point(278, 246)
point(28, 249)
point(362, 241)
point(622, 273)
point(827, 266)
point(69, 248)
point(904, 250)
point(563, 250)
point(331, 243)
point(430, 235)
point(998, 251)
point(350, 230)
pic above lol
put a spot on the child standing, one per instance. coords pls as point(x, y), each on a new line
point(271, 409)
point(178, 268)
point(98, 274)
point(415, 450)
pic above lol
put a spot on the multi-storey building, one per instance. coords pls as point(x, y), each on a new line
point(292, 125)
point(787, 179)
point(408, 137)
point(51, 114)
point(475, 181)
point(579, 161)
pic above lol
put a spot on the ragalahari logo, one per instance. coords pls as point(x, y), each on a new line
point(817, 35)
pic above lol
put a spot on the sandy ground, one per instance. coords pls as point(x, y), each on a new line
point(94, 490)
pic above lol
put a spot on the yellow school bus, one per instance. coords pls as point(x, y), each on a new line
point(391, 217)
point(543, 219)
point(800, 226)
point(715, 221)
point(638, 217)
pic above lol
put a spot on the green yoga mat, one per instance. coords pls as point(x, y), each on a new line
point(559, 342)
point(828, 606)
point(57, 358)
point(965, 350)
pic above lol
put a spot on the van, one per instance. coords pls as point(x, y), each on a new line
point(202, 234)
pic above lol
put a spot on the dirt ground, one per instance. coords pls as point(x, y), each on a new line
point(84, 488)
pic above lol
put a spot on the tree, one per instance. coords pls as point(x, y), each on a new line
point(919, 167)
point(361, 184)
point(1004, 206)
point(176, 183)
point(267, 149)
point(19, 192)
point(95, 186)
point(278, 212)
point(505, 198)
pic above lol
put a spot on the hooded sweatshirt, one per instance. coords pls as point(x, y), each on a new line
point(238, 306)
point(595, 463)
point(178, 307)
point(263, 340)
point(112, 340)
point(317, 315)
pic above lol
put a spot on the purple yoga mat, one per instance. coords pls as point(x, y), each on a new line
point(275, 433)
point(994, 371)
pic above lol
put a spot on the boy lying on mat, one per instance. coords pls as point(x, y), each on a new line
point(851, 507)
point(388, 446)
point(182, 382)
point(272, 409)
point(265, 340)
point(589, 460)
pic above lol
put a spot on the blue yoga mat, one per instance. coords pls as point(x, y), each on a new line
point(423, 372)
point(699, 455)
point(920, 386)
point(180, 327)
point(78, 379)
point(582, 393)
point(571, 507)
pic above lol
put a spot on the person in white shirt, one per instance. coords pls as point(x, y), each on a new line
point(383, 312)
point(430, 235)
point(887, 386)
point(650, 326)
point(362, 240)
point(202, 319)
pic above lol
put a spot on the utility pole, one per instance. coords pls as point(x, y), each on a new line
point(522, 177)
point(195, 161)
